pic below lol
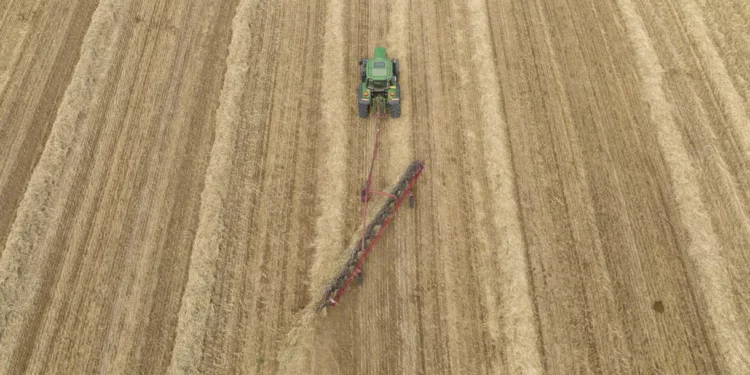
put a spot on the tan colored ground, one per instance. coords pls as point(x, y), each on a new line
point(177, 176)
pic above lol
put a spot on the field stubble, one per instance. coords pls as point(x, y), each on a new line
point(170, 174)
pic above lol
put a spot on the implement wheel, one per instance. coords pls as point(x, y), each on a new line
point(411, 199)
point(360, 277)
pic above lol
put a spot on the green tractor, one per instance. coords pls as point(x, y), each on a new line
point(379, 90)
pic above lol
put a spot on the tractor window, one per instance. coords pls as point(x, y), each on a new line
point(379, 69)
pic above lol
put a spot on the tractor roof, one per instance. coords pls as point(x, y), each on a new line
point(380, 67)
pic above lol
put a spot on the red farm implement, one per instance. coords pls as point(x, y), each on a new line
point(372, 232)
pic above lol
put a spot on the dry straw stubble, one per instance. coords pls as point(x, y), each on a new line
point(517, 312)
point(704, 247)
point(43, 202)
point(731, 102)
point(329, 227)
point(210, 235)
point(399, 140)
point(295, 356)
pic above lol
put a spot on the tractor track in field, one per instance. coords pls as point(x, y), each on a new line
point(179, 178)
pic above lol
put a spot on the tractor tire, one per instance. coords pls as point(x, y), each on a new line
point(364, 110)
point(396, 67)
point(363, 69)
point(396, 110)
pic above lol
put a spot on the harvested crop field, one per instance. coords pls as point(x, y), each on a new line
point(178, 179)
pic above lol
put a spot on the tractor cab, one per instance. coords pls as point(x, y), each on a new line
point(379, 89)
